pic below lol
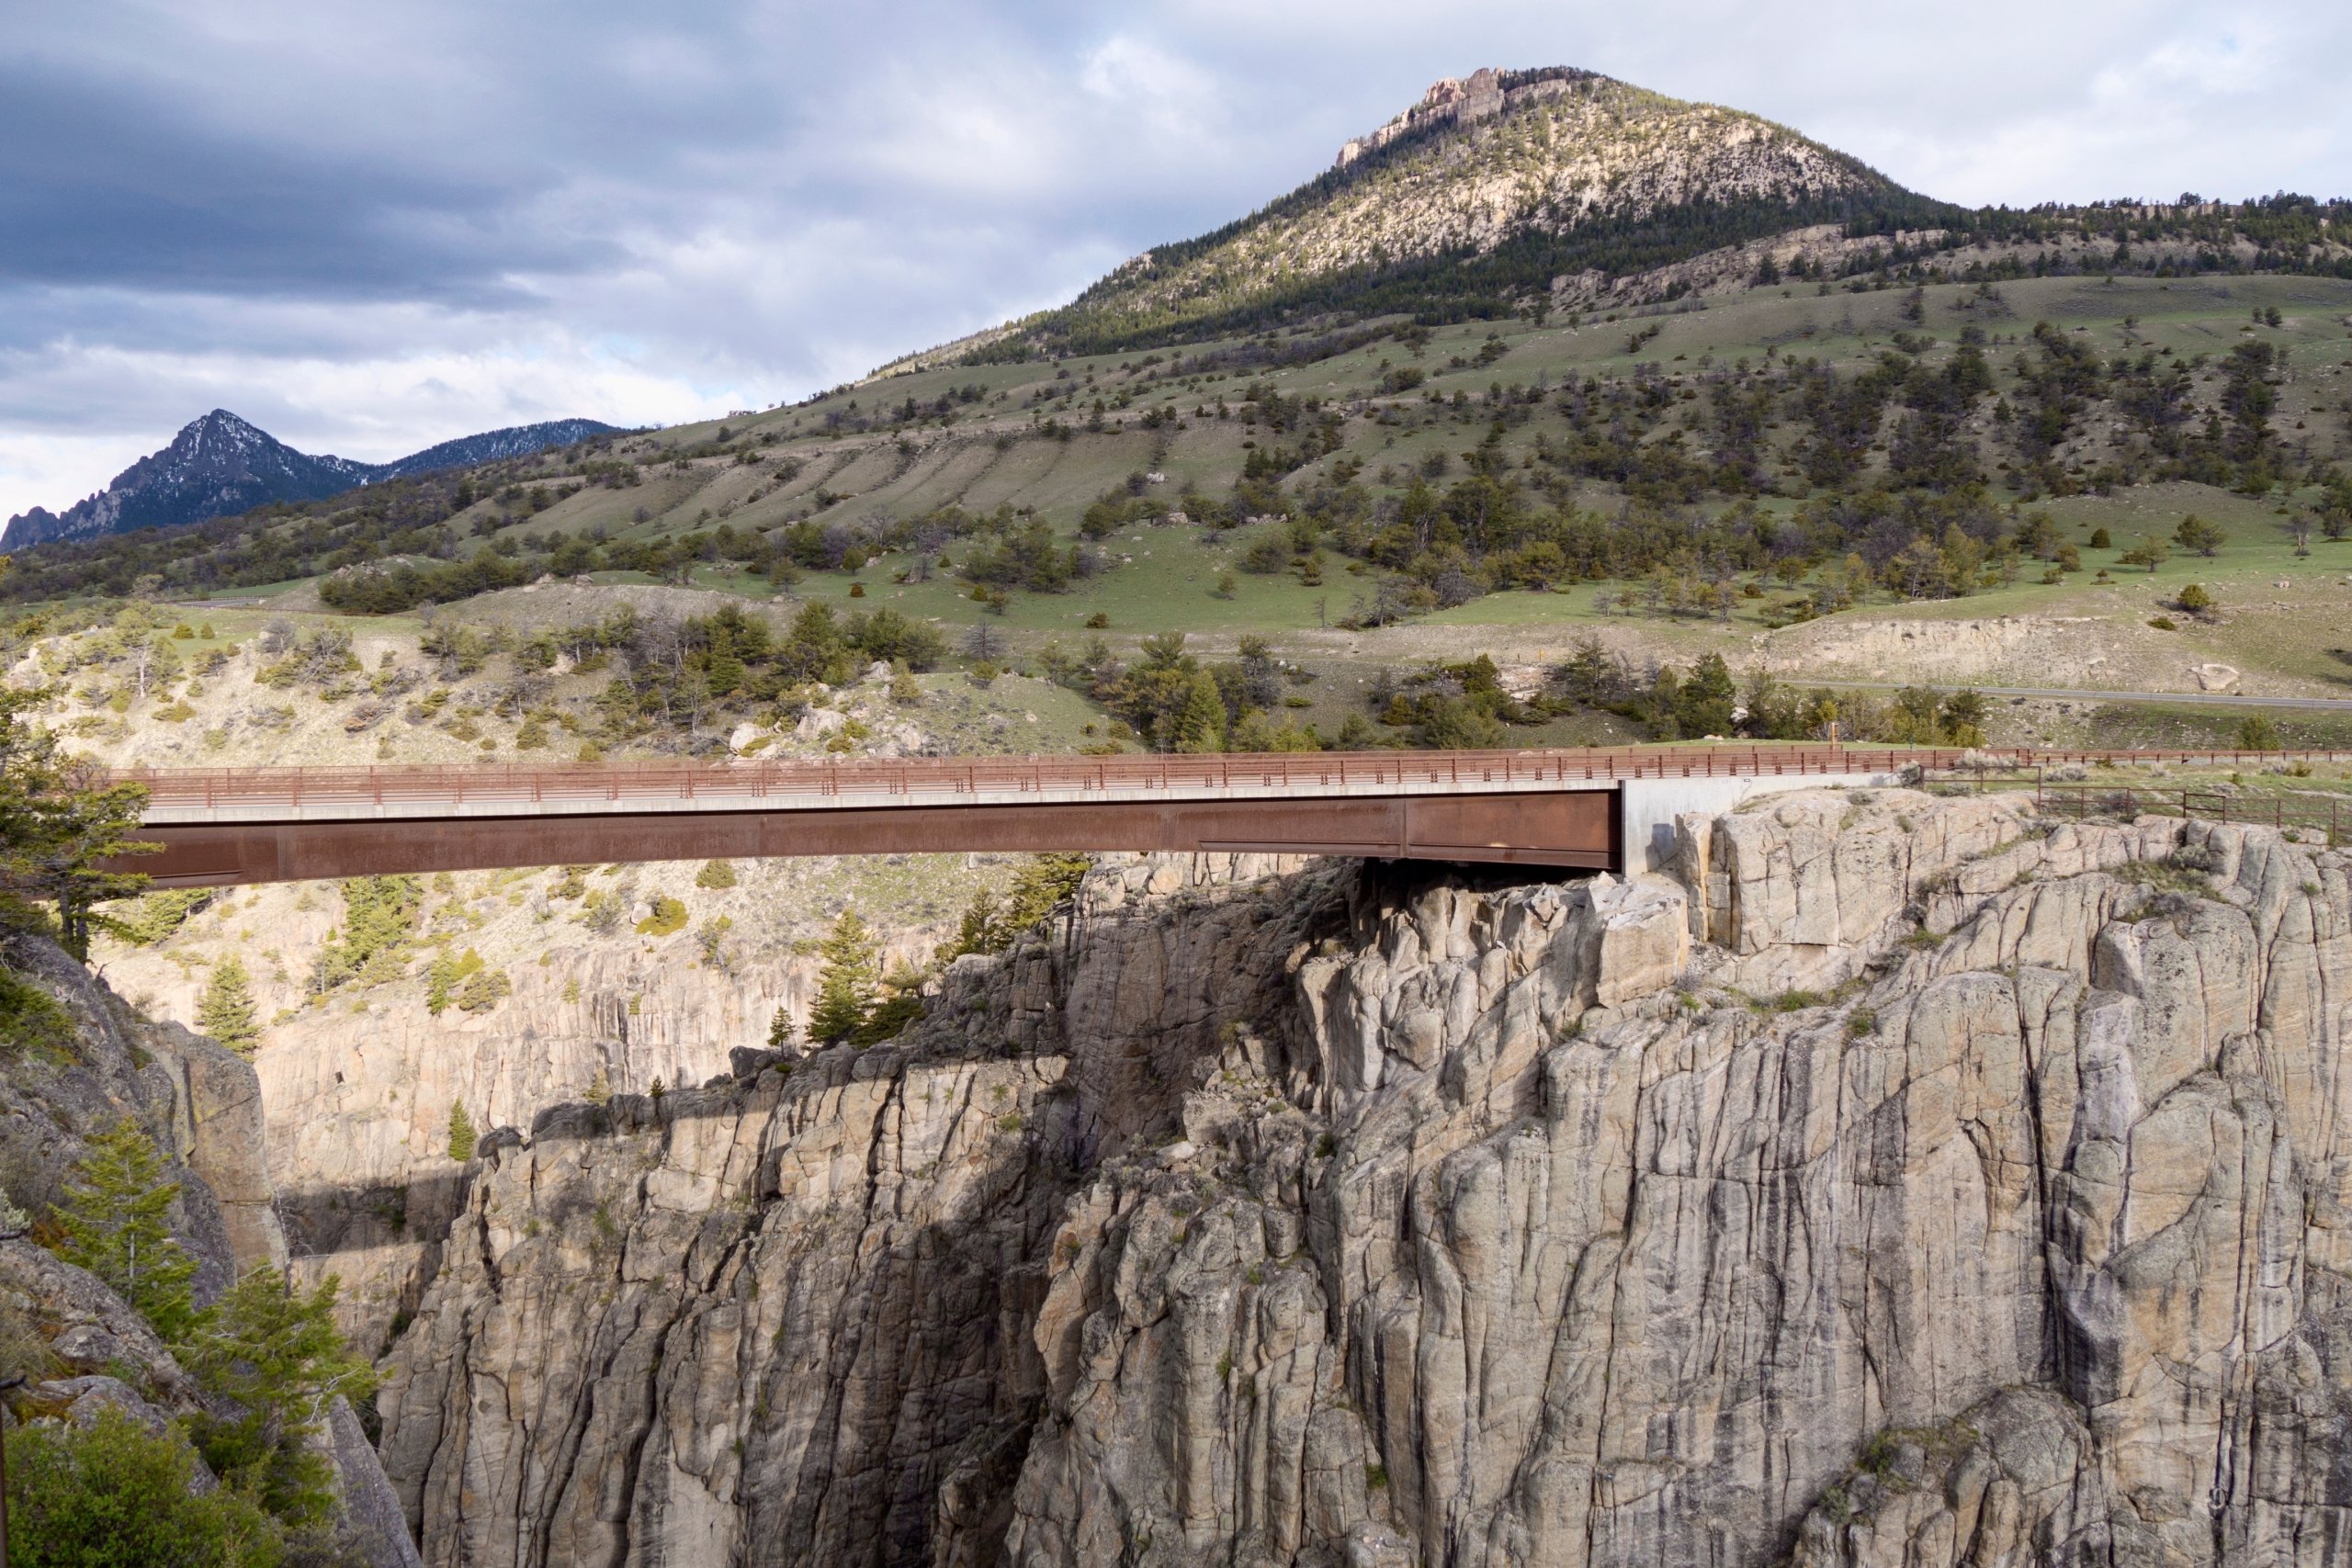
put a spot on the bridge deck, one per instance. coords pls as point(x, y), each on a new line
point(1536, 808)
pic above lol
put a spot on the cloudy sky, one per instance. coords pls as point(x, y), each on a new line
point(371, 227)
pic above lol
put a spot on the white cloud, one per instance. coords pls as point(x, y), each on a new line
point(1175, 98)
point(56, 470)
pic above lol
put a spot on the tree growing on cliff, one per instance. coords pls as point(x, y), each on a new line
point(463, 1135)
point(274, 1357)
point(116, 1224)
point(379, 916)
point(56, 825)
point(225, 1010)
point(849, 981)
point(1041, 884)
point(114, 1492)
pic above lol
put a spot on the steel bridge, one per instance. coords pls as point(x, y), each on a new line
point(1582, 809)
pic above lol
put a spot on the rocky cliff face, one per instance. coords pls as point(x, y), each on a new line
point(843, 1263)
point(1903, 1181)
point(358, 1085)
point(79, 1348)
point(199, 1103)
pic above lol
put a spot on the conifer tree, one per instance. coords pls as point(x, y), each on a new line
point(463, 1135)
point(276, 1356)
point(225, 1011)
point(117, 1219)
point(847, 984)
point(1200, 726)
point(55, 832)
point(981, 924)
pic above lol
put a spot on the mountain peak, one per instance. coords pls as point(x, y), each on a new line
point(220, 427)
point(1483, 197)
point(221, 464)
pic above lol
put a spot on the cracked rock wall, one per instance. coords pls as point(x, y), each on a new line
point(1903, 1182)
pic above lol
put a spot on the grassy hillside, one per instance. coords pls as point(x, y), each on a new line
point(1330, 483)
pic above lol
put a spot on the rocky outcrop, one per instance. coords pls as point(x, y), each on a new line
point(199, 1103)
point(2023, 650)
point(81, 1349)
point(1451, 101)
point(358, 1085)
point(1905, 1181)
point(791, 1318)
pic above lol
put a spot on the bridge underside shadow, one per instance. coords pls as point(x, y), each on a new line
point(1576, 829)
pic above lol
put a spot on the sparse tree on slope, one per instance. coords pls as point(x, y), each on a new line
point(55, 827)
point(1200, 728)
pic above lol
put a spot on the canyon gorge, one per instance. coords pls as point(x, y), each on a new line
point(1898, 1180)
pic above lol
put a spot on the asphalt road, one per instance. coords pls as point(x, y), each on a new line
point(2069, 693)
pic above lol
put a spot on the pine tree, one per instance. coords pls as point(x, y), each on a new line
point(847, 984)
point(1200, 726)
point(783, 1033)
point(1703, 705)
point(463, 1135)
point(980, 927)
point(2196, 533)
point(225, 1011)
point(276, 1356)
point(117, 1219)
point(379, 917)
point(54, 835)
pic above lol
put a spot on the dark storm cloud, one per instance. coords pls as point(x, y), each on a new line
point(109, 186)
point(372, 226)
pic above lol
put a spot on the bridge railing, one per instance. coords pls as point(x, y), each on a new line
point(953, 777)
point(948, 778)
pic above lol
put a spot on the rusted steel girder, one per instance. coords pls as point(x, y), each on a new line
point(1575, 828)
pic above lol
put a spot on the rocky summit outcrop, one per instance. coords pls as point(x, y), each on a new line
point(1904, 1181)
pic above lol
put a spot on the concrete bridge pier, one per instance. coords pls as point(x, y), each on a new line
point(1647, 808)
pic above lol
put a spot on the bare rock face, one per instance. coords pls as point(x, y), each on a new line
point(359, 1102)
point(200, 1104)
point(82, 1348)
point(1905, 1181)
point(791, 1318)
